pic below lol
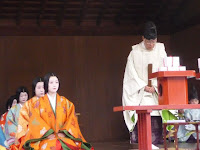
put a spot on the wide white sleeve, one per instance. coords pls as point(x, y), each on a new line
point(133, 89)
point(132, 84)
point(162, 55)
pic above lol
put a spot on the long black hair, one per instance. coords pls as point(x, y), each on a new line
point(34, 83)
point(21, 89)
point(192, 94)
point(46, 81)
point(10, 101)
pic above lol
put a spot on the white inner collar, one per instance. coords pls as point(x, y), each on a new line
point(52, 100)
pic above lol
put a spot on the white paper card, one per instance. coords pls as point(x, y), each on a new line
point(172, 68)
point(182, 68)
point(168, 62)
point(175, 61)
point(162, 69)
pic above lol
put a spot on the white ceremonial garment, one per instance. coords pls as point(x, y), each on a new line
point(136, 78)
point(52, 101)
point(192, 115)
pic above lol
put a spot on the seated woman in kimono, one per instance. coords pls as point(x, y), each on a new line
point(190, 115)
point(13, 114)
point(53, 123)
point(37, 92)
point(12, 101)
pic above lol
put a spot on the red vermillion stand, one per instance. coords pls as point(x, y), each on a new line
point(144, 120)
point(173, 94)
point(172, 86)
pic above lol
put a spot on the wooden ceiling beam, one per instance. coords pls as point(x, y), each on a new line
point(186, 15)
point(121, 12)
point(72, 30)
point(147, 5)
point(1, 7)
point(102, 12)
point(41, 12)
point(171, 14)
point(162, 9)
point(61, 13)
point(19, 12)
point(176, 16)
point(82, 11)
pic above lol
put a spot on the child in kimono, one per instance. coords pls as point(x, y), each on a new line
point(191, 115)
point(52, 121)
point(13, 114)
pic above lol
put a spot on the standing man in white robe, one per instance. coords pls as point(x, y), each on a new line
point(135, 85)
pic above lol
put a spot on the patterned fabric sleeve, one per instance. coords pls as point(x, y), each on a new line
point(10, 126)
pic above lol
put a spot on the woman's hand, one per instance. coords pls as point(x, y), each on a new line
point(61, 135)
point(51, 136)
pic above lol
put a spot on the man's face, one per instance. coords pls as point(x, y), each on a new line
point(149, 44)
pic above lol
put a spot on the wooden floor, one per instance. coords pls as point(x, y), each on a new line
point(126, 146)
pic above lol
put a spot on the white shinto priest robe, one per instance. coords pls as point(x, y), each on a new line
point(136, 78)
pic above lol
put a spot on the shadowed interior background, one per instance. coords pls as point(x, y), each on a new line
point(88, 49)
point(91, 72)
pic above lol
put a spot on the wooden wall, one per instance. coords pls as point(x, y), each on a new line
point(90, 68)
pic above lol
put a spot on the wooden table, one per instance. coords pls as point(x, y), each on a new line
point(176, 126)
point(144, 120)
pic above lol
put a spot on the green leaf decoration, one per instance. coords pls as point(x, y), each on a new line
point(169, 127)
point(167, 115)
point(133, 118)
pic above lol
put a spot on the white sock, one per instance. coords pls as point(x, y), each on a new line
point(154, 147)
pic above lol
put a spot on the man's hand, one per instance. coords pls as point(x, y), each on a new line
point(149, 89)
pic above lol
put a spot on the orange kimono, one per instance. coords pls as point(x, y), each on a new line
point(23, 121)
point(44, 122)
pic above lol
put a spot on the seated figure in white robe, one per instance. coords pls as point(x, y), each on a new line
point(191, 115)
